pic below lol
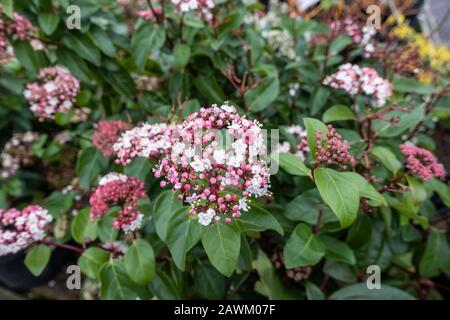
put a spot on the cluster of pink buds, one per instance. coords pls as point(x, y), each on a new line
point(355, 80)
point(213, 161)
point(361, 34)
point(21, 228)
point(200, 7)
point(55, 91)
point(146, 141)
point(19, 28)
point(116, 189)
point(106, 134)
point(331, 149)
point(422, 162)
point(301, 147)
point(17, 152)
point(348, 26)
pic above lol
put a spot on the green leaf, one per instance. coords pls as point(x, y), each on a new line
point(105, 229)
point(306, 206)
point(360, 291)
point(183, 233)
point(89, 164)
point(181, 55)
point(341, 195)
point(312, 126)
point(262, 96)
point(338, 113)
point(303, 248)
point(48, 22)
point(406, 120)
point(115, 283)
point(91, 260)
point(258, 219)
point(27, 57)
point(441, 189)
point(146, 39)
point(209, 283)
point(313, 292)
point(140, 262)
point(436, 257)
point(359, 232)
point(338, 250)
point(209, 88)
point(58, 203)
point(411, 85)
point(164, 287)
point(103, 41)
point(83, 230)
point(120, 81)
point(8, 7)
point(139, 168)
point(365, 189)
point(293, 165)
point(269, 280)
point(338, 44)
point(222, 243)
point(75, 64)
point(387, 158)
point(166, 205)
point(339, 271)
point(37, 259)
point(83, 46)
point(319, 99)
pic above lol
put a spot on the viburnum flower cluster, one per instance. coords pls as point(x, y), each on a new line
point(200, 7)
point(116, 189)
point(55, 91)
point(19, 27)
point(355, 80)
point(146, 141)
point(215, 178)
point(301, 147)
point(106, 134)
point(360, 33)
point(280, 40)
point(422, 162)
point(17, 152)
point(21, 228)
point(331, 149)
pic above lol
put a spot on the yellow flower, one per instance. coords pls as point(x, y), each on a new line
point(425, 77)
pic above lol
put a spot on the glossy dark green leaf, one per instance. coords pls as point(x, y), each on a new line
point(222, 243)
point(91, 261)
point(303, 248)
point(37, 259)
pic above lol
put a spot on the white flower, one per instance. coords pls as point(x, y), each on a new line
point(112, 176)
point(243, 204)
point(219, 156)
point(192, 198)
point(134, 225)
point(205, 218)
point(49, 87)
point(198, 165)
point(234, 126)
point(178, 147)
point(227, 108)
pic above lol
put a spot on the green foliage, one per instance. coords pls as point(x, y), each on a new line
point(319, 217)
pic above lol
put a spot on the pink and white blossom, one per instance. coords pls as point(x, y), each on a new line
point(54, 91)
point(116, 189)
point(21, 228)
point(355, 80)
point(215, 177)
